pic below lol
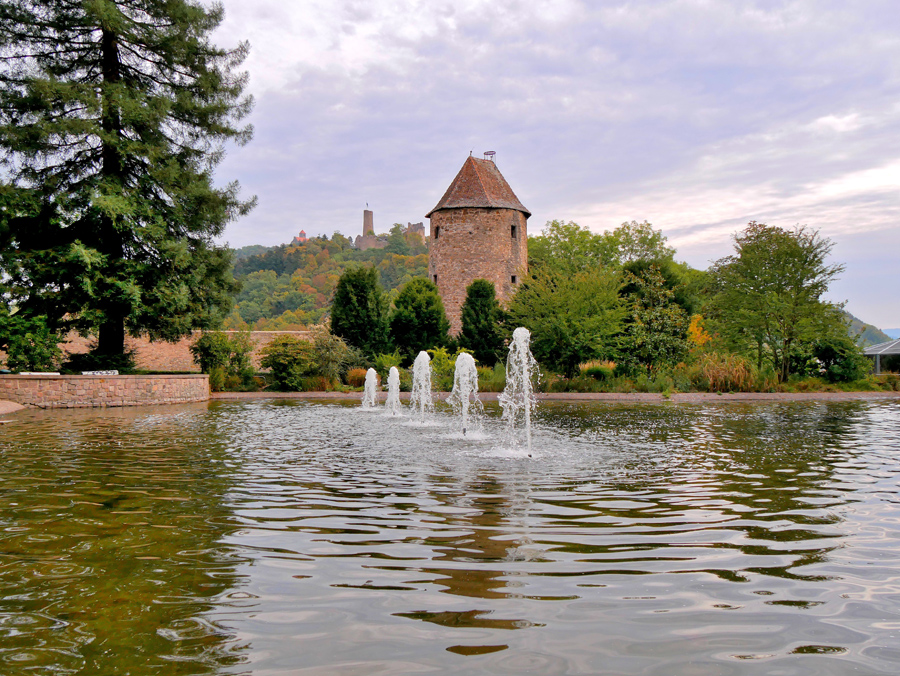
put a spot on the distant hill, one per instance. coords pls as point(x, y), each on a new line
point(893, 333)
point(252, 250)
point(866, 334)
point(289, 287)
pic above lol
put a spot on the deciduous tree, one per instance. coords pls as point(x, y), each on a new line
point(657, 330)
point(769, 293)
point(569, 247)
point(572, 317)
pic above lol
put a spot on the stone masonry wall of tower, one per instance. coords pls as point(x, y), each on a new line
point(476, 243)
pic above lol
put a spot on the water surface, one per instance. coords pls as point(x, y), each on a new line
point(296, 538)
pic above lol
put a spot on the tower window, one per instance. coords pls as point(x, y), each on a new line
point(513, 278)
point(437, 231)
point(435, 279)
point(512, 231)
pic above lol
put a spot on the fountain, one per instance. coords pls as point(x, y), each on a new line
point(420, 398)
point(370, 391)
point(517, 398)
point(393, 399)
point(465, 385)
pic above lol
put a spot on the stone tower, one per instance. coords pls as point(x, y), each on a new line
point(477, 232)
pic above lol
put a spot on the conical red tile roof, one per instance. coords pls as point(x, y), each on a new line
point(479, 184)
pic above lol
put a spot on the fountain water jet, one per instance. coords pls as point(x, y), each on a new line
point(465, 385)
point(420, 398)
point(518, 399)
point(370, 391)
point(393, 399)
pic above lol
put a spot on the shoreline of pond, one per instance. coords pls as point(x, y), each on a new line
point(636, 397)
point(9, 407)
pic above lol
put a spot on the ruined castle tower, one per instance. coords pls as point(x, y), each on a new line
point(477, 232)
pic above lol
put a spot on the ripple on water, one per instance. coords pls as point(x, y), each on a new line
point(285, 537)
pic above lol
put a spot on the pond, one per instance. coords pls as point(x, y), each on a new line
point(280, 537)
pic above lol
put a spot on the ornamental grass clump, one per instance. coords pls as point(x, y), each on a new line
point(715, 372)
point(356, 377)
point(602, 371)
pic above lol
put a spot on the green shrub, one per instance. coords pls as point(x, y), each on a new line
point(211, 350)
point(30, 344)
point(841, 359)
point(216, 379)
point(578, 384)
point(332, 355)
point(655, 381)
point(890, 381)
point(442, 364)
point(291, 360)
point(492, 379)
point(383, 363)
point(443, 367)
point(626, 368)
point(406, 380)
point(231, 354)
point(303, 366)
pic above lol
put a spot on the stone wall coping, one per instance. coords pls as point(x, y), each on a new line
point(78, 376)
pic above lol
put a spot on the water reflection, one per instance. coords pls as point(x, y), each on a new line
point(320, 539)
point(109, 544)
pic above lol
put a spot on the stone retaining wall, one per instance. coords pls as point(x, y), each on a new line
point(48, 391)
point(163, 356)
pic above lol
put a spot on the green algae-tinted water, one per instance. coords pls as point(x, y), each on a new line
point(292, 538)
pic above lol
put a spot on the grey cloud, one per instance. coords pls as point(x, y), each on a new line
point(603, 104)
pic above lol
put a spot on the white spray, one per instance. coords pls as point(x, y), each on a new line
point(369, 393)
point(421, 398)
point(465, 385)
point(518, 399)
point(393, 399)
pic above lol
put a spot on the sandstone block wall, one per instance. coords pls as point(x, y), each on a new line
point(163, 356)
point(47, 391)
point(476, 243)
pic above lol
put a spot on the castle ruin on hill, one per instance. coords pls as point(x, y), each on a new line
point(369, 240)
point(478, 231)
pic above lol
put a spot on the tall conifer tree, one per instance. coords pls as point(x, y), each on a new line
point(481, 316)
point(418, 321)
point(359, 312)
point(113, 115)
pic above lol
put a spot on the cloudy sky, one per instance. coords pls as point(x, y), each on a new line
point(697, 115)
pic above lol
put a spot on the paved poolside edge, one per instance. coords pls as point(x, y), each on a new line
point(7, 407)
point(637, 397)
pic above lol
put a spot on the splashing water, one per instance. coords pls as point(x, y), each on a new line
point(420, 399)
point(465, 385)
point(518, 399)
point(393, 399)
point(370, 391)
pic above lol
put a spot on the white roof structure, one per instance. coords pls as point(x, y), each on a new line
point(882, 349)
point(890, 347)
